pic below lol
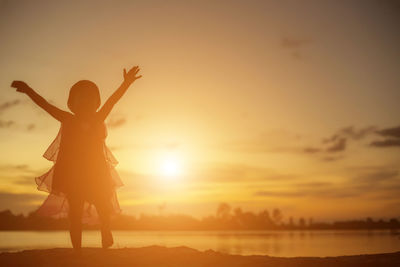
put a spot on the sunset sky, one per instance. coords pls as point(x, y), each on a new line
point(260, 104)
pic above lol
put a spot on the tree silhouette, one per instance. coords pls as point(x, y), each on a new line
point(223, 211)
point(277, 216)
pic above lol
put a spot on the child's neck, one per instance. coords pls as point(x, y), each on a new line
point(85, 116)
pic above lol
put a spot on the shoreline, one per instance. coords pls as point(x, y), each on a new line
point(180, 256)
point(394, 232)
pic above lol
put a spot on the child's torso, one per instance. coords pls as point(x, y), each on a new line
point(82, 140)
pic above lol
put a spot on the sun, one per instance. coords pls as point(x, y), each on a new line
point(170, 166)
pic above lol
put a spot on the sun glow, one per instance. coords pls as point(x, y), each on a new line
point(170, 166)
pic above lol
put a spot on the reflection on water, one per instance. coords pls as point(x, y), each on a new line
point(273, 243)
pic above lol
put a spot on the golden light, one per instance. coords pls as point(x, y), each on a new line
point(170, 166)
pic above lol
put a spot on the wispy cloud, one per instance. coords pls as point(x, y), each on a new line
point(22, 202)
point(235, 173)
point(377, 176)
point(337, 146)
point(8, 104)
point(6, 123)
point(276, 141)
point(391, 138)
point(294, 43)
point(18, 168)
point(338, 142)
point(10, 123)
point(386, 143)
point(327, 191)
point(382, 182)
point(328, 149)
point(294, 46)
point(390, 132)
point(30, 127)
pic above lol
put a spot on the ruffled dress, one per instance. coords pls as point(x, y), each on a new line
point(83, 168)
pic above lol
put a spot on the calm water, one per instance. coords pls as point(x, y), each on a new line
point(273, 243)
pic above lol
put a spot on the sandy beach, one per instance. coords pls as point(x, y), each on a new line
point(180, 256)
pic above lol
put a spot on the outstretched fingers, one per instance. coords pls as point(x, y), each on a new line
point(134, 69)
point(131, 75)
point(132, 72)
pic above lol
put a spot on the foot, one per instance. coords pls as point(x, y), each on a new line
point(106, 238)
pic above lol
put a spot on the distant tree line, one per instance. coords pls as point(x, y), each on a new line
point(225, 218)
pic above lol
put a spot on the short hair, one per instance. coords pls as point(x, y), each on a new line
point(87, 88)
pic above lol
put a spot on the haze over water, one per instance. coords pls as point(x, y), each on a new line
point(272, 243)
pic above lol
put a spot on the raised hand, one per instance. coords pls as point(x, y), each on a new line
point(129, 78)
point(21, 86)
point(131, 75)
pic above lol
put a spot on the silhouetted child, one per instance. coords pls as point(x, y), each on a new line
point(83, 173)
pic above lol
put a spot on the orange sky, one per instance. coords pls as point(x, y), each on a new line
point(261, 104)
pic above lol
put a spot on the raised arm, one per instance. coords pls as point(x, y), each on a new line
point(129, 78)
point(55, 112)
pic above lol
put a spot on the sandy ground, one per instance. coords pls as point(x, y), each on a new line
point(180, 256)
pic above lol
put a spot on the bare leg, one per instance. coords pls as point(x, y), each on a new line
point(75, 218)
point(103, 209)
